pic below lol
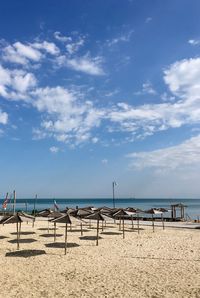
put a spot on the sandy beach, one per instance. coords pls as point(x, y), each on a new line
point(161, 264)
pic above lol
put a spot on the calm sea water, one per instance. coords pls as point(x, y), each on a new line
point(193, 209)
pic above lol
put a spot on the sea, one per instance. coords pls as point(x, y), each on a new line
point(27, 204)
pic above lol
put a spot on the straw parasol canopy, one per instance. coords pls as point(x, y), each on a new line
point(53, 215)
point(98, 217)
point(121, 214)
point(80, 214)
point(153, 211)
point(27, 217)
point(16, 218)
point(45, 212)
point(63, 219)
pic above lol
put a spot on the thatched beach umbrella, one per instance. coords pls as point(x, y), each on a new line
point(131, 211)
point(98, 217)
point(45, 212)
point(16, 218)
point(54, 215)
point(26, 216)
point(64, 219)
point(80, 214)
point(153, 211)
point(121, 214)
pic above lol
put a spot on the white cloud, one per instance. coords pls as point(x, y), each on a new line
point(95, 140)
point(85, 64)
point(61, 37)
point(194, 42)
point(73, 47)
point(121, 38)
point(3, 117)
point(183, 77)
point(54, 149)
point(183, 80)
point(68, 117)
point(49, 47)
point(183, 155)
point(14, 84)
point(147, 88)
point(20, 53)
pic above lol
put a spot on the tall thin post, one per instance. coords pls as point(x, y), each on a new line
point(54, 231)
point(132, 222)
point(123, 227)
point(97, 233)
point(26, 208)
point(66, 239)
point(14, 202)
point(81, 229)
point(20, 226)
point(34, 207)
point(17, 236)
point(153, 223)
point(138, 223)
point(113, 190)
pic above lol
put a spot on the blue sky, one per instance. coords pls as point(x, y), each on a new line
point(98, 91)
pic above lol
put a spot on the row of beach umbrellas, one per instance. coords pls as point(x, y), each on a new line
point(82, 215)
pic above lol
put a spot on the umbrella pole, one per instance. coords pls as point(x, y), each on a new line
point(120, 224)
point(54, 232)
point(19, 229)
point(138, 224)
point(163, 222)
point(153, 223)
point(123, 228)
point(48, 226)
point(97, 233)
point(102, 225)
point(66, 239)
point(81, 229)
point(132, 222)
point(17, 236)
point(90, 225)
point(70, 227)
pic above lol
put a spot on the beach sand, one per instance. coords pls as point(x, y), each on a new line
point(161, 264)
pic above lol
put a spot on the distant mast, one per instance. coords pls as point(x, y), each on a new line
point(14, 201)
point(113, 191)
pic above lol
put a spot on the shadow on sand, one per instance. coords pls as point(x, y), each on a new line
point(25, 253)
point(3, 237)
point(111, 233)
point(89, 238)
point(50, 235)
point(61, 245)
point(27, 240)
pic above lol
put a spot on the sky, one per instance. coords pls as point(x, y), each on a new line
point(97, 91)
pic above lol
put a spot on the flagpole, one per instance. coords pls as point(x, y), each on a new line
point(113, 189)
point(34, 204)
point(14, 201)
